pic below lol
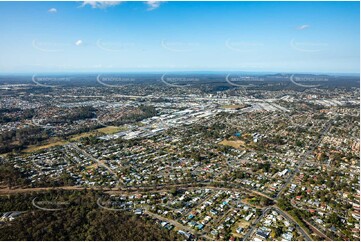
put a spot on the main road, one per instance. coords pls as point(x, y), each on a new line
point(99, 162)
point(253, 225)
point(178, 225)
point(303, 160)
point(289, 217)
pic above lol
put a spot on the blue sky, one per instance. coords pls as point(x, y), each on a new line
point(206, 36)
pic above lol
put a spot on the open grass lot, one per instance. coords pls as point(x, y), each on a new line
point(57, 141)
point(93, 166)
point(83, 135)
point(100, 131)
point(233, 106)
point(238, 144)
point(111, 129)
point(50, 143)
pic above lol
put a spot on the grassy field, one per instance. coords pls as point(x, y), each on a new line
point(97, 132)
point(111, 129)
point(57, 141)
point(93, 166)
point(233, 143)
point(50, 143)
point(233, 106)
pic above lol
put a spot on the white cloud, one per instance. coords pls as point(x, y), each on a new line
point(101, 4)
point(302, 27)
point(79, 42)
point(53, 10)
point(153, 5)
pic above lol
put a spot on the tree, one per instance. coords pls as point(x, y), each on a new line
point(284, 205)
point(173, 191)
point(265, 201)
point(334, 219)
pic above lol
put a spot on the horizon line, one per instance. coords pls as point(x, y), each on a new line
point(177, 71)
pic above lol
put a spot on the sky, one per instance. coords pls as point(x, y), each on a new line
point(308, 37)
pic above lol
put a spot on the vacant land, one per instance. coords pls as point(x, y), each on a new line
point(50, 143)
point(58, 141)
point(111, 129)
point(97, 132)
point(233, 143)
point(234, 106)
